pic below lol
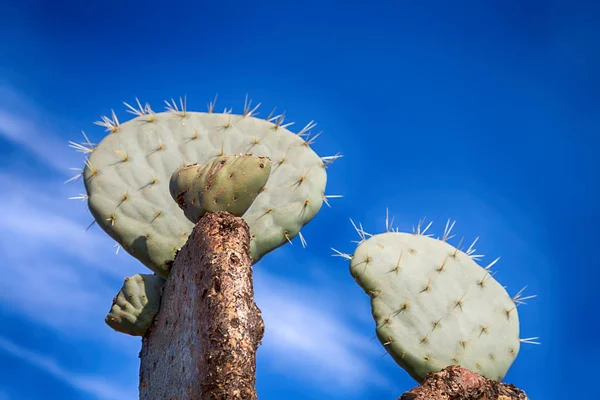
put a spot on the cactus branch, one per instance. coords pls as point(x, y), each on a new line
point(459, 383)
point(204, 339)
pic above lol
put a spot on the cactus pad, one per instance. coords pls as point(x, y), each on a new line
point(434, 306)
point(136, 304)
point(127, 177)
point(228, 183)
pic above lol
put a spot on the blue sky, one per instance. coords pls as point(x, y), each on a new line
point(483, 112)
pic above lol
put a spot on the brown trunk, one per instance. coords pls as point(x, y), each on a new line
point(456, 383)
point(203, 342)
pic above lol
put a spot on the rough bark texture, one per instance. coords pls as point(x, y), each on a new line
point(456, 383)
point(203, 342)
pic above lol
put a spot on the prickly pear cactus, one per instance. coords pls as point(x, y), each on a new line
point(136, 304)
point(127, 176)
point(228, 183)
point(434, 306)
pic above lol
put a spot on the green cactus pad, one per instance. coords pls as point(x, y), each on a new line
point(127, 177)
point(434, 306)
point(136, 304)
point(228, 183)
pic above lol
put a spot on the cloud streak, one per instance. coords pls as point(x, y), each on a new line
point(314, 342)
point(46, 251)
point(21, 124)
point(99, 387)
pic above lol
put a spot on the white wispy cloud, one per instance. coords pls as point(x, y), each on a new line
point(40, 213)
point(23, 123)
point(99, 387)
point(310, 339)
point(74, 274)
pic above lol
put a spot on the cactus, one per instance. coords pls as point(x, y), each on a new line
point(127, 175)
point(434, 306)
point(136, 304)
point(229, 183)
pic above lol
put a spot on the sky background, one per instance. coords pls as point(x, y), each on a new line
point(485, 112)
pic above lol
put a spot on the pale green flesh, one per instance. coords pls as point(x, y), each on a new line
point(131, 168)
point(436, 318)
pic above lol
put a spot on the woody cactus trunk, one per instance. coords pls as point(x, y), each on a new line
point(203, 342)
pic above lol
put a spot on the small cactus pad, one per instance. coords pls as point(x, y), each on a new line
point(136, 304)
point(434, 306)
point(127, 177)
point(228, 183)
